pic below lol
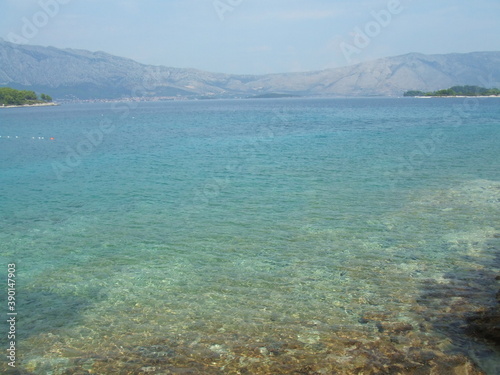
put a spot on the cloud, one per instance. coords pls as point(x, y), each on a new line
point(303, 15)
point(294, 15)
point(262, 48)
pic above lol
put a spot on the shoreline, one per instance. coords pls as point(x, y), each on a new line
point(51, 104)
point(457, 96)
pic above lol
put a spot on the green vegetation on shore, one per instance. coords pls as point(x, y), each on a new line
point(9, 96)
point(457, 91)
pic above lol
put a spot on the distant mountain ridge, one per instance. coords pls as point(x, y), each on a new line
point(80, 74)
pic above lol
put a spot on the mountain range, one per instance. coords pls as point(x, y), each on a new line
point(80, 74)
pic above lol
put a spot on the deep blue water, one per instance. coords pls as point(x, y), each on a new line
point(223, 224)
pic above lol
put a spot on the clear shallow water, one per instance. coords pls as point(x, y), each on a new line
point(261, 235)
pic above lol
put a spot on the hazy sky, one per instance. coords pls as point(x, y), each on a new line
point(255, 36)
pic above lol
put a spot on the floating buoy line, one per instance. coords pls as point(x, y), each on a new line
point(37, 138)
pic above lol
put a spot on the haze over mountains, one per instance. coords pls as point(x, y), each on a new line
point(79, 74)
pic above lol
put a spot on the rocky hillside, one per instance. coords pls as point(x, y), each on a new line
point(394, 75)
point(79, 74)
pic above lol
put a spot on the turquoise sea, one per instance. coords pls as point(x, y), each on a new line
point(279, 236)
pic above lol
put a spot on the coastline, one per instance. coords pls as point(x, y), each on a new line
point(51, 104)
point(457, 96)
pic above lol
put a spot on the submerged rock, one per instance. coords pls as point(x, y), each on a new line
point(394, 328)
point(486, 324)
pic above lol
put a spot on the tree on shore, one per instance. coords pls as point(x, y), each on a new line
point(10, 96)
point(46, 98)
point(457, 91)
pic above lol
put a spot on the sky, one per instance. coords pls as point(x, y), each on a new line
point(255, 36)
